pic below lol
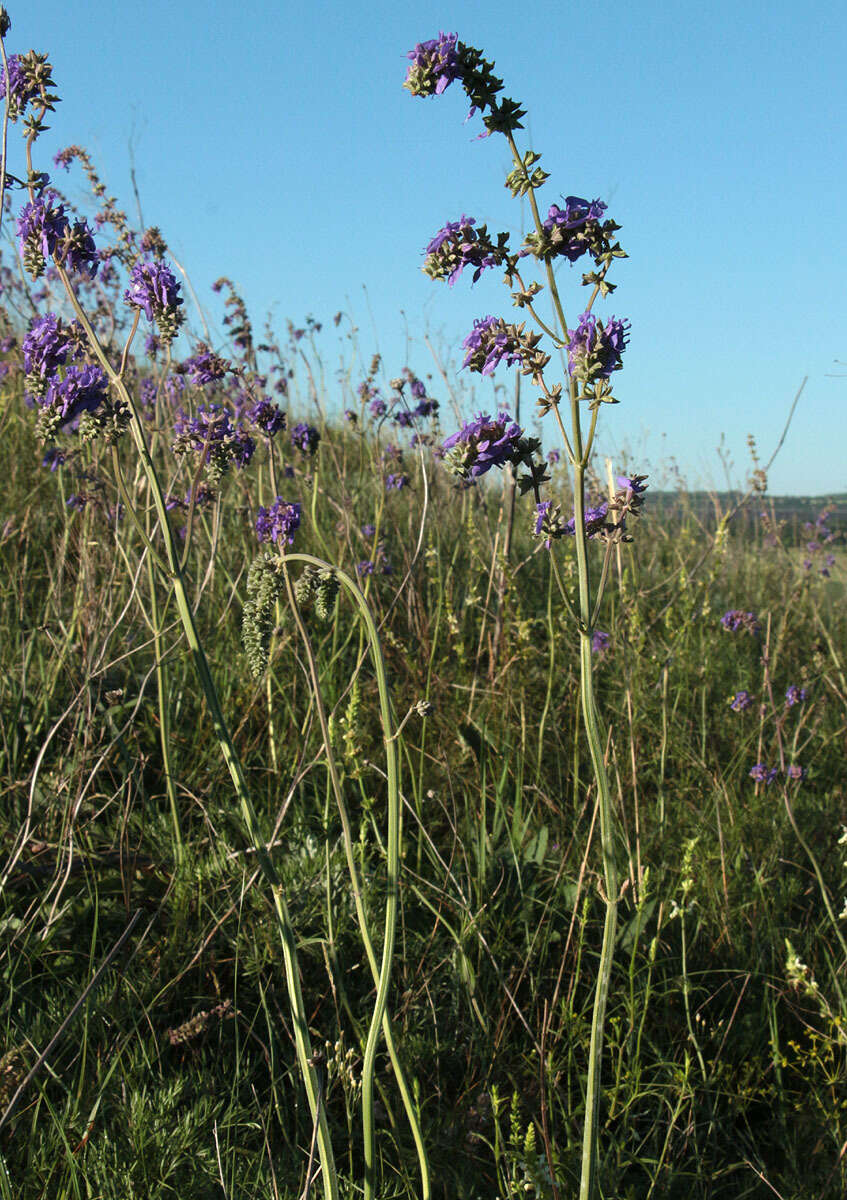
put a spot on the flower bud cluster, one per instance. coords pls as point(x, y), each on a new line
point(317, 588)
point(265, 586)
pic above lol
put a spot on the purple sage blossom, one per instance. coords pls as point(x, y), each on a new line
point(278, 523)
point(741, 701)
point(488, 343)
point(736, 620)
point(204, 366)
point(267, 416)
point(40, 226)
point(213, 434)
point(434, 65)
point(795, 772)
point(762, 774)
point(595, 349)
point(600, 641)
point(572, 225)
point(83, 389)
point(459, 245)
point(394, 483)
point(305, 437)
point(794, 695)
point(153, 289)
point(481, 444)
point(20, 89)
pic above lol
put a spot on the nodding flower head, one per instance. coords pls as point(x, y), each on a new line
point(278, 523)
point(481, 444)
point(434, 65)
point(154, 290)
point(595, 349)
point(459, 245)
point(305, 437)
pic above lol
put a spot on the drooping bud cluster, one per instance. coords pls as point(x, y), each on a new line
point(213, 435)
point(154, 290)
point(317, 589)
point(459, 245)
point(265, 586)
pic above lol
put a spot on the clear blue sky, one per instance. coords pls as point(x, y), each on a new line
point(273, 143)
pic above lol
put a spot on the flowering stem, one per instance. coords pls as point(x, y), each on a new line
point(229, 753)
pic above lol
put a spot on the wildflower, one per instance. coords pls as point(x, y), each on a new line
point(794, 695)
point(21, 87)
point(395, 483)
point(350, 416)
point(377, 407)
point(735, 619)
point(459, 245)
point(40, 226)
point(554, 457)
point(76, 250)
point(548, 522)
point(741, 701)
point(366, 567)
point(267, 416)
point(600, 641)
point(763, 774)
point(278, 523)
point(45, 348)
point(796, 772)
point(573, 228)
point(204, 366)
point(154, 290)
point(368, 531)
point(213, 435)
point(595, 521)
point(305, 438)
point(489, 342)
point(404, 418)
point(426, 408)
point(595, 349)
point(434, 65)
point(82, 389)
point(53, 458)
point(481, 444)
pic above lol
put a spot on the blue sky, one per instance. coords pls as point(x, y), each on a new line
point(273, 143)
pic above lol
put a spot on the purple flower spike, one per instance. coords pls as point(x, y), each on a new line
point(600, 641)
point(40, 227)
point(595, 349)
point(763, 774)
point(278, 523)
point(736, 620)
point(434, 65)
point(481, 444)
point(488, 343)
point(305, 438)
point(154, 290)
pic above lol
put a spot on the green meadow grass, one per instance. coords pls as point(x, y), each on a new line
point(724, 1073)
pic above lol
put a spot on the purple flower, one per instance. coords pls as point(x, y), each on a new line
point(45, 348)
point(366, 567)
point(418, 389)
point(53, 458)
point(204, 366)
point(735, 620)
point(795, 772)
point(763, 774)
point(573, 225)
point(403, 418)
point(434, 65)
point(154, 290)
point(426, 408)
point(488, 343)
point(394, 483)
point(600, 641)
point(21, 88)
point(305, 438)
point(368, 531)
point(350, 416)
point(595, 349)
point(213, 435)
point(377, 407)
point(794, 695)
point(459, 245)
point(481, 444)
point(595, 521)
point(554, 457)
point(40, 227)
point(741, 701)
point(76, 250)
point(83, 389)
point(267, 416)
point(278, 523)
point(631, 483)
